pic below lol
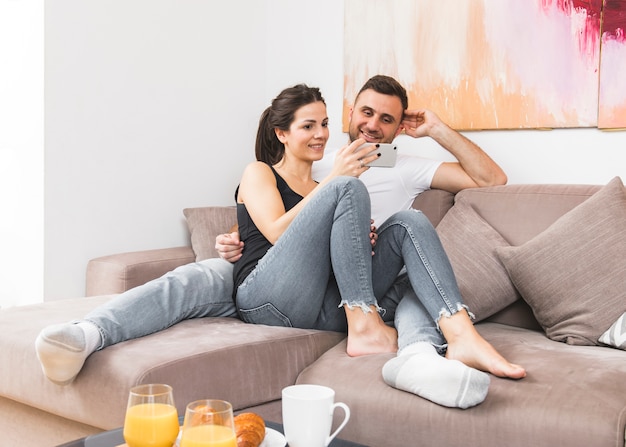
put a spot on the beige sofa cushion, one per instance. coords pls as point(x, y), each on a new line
point(562, 401)
point(572, 274)
point(521, 212)
point(221, 358)
point(117, 273)
point(470, 243)
point(204, 224)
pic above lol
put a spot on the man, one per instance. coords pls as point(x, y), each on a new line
point(379, 115)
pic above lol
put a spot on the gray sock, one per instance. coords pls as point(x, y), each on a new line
point(421, 371)
point(63, 348)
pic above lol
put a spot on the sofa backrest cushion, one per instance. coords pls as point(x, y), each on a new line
point(470, 243)
point(521, 212)
point(434, 203)
point(204, 224)
point(572, 274)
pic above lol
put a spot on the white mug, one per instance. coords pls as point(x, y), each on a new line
point(308, 415)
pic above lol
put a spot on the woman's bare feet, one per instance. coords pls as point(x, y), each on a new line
point(466, 345)
point(368, 333)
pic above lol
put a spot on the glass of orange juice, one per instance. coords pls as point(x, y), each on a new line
point(151, 417)
point(208, 423)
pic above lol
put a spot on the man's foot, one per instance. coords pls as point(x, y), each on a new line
point(368, 333)
point(420, 370)
point(466, 345)
point(62, 350)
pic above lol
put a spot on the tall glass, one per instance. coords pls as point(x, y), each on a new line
point(151, 417)
point(208, 423)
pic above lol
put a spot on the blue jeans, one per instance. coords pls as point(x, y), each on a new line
point(204, 289)
point(321, 262)
point(427, 290)
point(199, 289)
point(294, 284)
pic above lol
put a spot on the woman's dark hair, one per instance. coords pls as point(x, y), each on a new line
point(386, 85)
point(280, 115)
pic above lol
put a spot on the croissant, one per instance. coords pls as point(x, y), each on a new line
point(250, 429)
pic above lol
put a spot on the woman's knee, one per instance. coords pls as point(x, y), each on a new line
point(351, 185)
point(349, 182)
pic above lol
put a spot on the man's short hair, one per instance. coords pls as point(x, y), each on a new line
point(386, 85)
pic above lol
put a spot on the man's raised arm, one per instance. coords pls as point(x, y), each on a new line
point(474, 167)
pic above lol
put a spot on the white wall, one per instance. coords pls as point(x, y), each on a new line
point(21, 151)
point(151, 106)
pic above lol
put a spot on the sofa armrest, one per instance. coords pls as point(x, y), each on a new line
point(120, 272)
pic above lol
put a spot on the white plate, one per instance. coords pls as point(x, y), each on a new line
point(273, 438)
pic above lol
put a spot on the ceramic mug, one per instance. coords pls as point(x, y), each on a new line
point(308, 415)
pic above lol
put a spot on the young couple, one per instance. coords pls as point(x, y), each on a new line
point(318, 235)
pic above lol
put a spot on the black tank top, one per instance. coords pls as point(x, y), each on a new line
point(255, 244)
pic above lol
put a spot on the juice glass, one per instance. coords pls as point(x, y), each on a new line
point(208, 423)
point(151, 417)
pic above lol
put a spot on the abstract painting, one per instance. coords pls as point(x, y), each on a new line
point(612, 104)
point(489, 64)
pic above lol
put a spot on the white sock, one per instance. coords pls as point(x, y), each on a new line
point(420, 370)
point(93, 339)
point(63, 348)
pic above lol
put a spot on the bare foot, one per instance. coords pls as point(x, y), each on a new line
point(466, 345)
point(368, 333)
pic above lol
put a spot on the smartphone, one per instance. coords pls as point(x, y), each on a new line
point(388, 154)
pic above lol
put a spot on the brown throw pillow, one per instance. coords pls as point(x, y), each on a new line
point(470, 243)
point(205, 224)
point(572, 274)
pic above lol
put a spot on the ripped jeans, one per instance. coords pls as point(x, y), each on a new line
point(323, 261)
point(423, 293)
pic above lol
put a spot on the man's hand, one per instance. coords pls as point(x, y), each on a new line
point(473, 168)
point(418, 123)
point(228, 246)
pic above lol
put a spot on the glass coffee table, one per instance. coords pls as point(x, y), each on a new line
point(114, 438)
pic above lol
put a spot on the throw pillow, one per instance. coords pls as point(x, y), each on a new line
point(572, 274)
point(470, 243)
point(616, 335)
point(205, 224)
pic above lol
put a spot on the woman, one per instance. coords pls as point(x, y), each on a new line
point(307, 261)
point(271, 198)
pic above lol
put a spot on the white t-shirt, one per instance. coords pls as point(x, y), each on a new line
point(391, 189)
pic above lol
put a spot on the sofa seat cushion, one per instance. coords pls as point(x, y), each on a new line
point(572, 395)
point(220, 358)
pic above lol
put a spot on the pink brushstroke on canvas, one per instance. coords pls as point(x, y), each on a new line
point(612, 110)
point(482, 64)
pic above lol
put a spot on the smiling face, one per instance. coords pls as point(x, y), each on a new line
point(308, 133)
point(376, 117)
